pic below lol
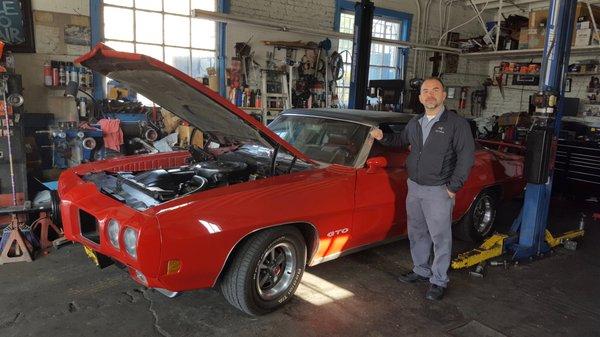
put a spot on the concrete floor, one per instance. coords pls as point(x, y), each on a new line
point(358, 295)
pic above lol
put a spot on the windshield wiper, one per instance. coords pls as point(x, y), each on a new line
point(294, 158)
point(274, 159)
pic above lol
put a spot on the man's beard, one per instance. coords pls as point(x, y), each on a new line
point(431, 105)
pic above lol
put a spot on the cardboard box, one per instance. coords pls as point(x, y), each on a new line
point(582, 15)
point(584, 25)
point(583, 37)
point(538, 18)
point(524, 38)
point(536, 38)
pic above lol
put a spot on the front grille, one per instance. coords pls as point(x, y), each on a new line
point(89, 226)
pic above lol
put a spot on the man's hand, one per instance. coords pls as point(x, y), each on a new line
point(376, 133)
point(451, 194)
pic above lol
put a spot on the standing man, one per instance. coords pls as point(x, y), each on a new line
point(440, 159)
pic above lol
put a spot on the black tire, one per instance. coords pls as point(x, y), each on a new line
point(474, 226)
point(254, 264)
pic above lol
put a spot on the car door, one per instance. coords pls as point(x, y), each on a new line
point(380, 210)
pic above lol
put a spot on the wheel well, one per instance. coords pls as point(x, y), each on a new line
point(496, 190)
point(308, 231)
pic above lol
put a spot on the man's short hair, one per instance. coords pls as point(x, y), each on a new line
point(434, 79)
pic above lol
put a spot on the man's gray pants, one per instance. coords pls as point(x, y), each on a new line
point(429, 217)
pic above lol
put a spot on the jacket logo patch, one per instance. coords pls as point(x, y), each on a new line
point(440, 129)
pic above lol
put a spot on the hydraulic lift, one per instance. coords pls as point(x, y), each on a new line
point(528, 237)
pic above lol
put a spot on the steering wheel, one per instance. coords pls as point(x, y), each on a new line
point(343, 154)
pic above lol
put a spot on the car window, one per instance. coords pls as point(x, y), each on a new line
point(326, 140)
point(394, 155)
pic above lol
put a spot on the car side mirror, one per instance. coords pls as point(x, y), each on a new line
point(376, 163)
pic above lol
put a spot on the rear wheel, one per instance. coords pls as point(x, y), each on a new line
point(478, 223)
point(266, 271)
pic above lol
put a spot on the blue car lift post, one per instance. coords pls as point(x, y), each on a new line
point(528, 237)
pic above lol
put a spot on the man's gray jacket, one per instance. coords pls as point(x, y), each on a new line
point(445, 158)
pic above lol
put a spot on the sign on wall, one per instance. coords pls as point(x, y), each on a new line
point(16, 25)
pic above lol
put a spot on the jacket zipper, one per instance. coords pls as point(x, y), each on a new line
point(420, 133)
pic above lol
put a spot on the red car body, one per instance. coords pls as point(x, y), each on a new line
point(339, 209)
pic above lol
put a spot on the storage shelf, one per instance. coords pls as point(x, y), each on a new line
point(63, 87)
point(584, 73)
point(518, 73)
point(526, 53)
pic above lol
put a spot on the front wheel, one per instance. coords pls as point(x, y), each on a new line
point(478, 223)
point(266, 271)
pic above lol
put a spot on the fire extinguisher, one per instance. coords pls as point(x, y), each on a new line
point(463, 98)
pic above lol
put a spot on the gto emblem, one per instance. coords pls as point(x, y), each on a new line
point(337, 232)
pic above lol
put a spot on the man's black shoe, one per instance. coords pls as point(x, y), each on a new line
point(412, 277)
point(435, 292)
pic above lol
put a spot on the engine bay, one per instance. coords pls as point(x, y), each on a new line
point(207, 169)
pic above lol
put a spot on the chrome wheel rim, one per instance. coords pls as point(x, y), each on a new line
point(276, 271)
point(483, 215)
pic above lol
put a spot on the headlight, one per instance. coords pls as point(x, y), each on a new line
point(130, 238)
point(113, 232)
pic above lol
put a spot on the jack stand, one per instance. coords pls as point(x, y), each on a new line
point(22, 248)
point(45, 223)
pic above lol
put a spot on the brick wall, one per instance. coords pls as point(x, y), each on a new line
point(310, 13)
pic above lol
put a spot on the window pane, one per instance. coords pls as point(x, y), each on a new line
point(388, 73)
point(154, 5)
point(121, 31)
point(207, 5)
point(392, 30)
point(201, 60)
point(390, 56)
point(347, 23)
point(376, 54)
point(124, 3)
point(177, 31)
point(374, 73)
point(203, 34)
point(344, 96)
point(378, 28)
point(150, 50)
point(178, 58)
point(346, 78)
point(148, 27)
point(178, 7)
point(120, 46)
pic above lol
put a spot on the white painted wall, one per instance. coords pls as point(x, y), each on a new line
point(76, 7)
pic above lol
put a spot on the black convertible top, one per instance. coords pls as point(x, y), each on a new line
point(373, 118)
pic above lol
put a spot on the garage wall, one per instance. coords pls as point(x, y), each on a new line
point(50, 18)
point(320, 14)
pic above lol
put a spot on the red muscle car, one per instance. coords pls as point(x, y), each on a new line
point(254, 206)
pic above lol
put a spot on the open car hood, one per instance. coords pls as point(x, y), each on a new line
point(182, 95)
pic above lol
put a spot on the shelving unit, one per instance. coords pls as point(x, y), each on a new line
point(268, 97)
point(526, 53)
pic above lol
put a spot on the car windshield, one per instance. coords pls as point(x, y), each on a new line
point(325, 140)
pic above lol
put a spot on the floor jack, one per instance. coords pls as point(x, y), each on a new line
point(528, 237)
point(500, 244)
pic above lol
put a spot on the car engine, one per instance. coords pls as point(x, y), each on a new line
point(206, 170)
